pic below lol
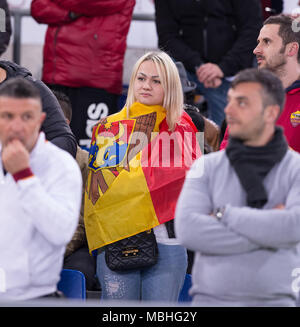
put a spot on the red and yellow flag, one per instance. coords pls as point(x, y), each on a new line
point(136, 172)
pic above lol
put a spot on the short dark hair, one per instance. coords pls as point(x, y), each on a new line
point(64, 102)
point(272, 89)
point(19, 88)
point(286, 30)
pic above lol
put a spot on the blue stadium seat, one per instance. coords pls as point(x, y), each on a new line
point(184, 293)
point(72, 284)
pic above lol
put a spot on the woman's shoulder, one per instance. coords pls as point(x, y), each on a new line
point(186, 124)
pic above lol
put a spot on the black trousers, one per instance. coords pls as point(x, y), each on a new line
point(81, 260)
point(89, 105)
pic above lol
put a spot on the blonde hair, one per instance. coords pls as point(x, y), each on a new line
point(170, 81)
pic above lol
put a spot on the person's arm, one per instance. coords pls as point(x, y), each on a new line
point(168, 30)
point(195, 228)
point(248, 22)
point(95, 7)
point(276, 228)
point(55, 126)
point(48, 12)
point(52, 205)
point(55, 209)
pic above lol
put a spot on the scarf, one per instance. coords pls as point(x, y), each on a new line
point(252, 164)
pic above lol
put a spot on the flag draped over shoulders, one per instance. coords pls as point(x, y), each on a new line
point(136, 171)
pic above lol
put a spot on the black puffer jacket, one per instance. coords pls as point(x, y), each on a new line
point(223, 32)
point(55, 127)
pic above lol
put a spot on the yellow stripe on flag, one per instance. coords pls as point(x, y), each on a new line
point(123, 211)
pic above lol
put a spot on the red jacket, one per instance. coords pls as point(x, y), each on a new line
point(86, 51)
point(289, 118)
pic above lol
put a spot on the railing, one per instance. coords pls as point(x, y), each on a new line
point(18, 14)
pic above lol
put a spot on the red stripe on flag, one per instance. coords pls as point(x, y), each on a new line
point(171, 156)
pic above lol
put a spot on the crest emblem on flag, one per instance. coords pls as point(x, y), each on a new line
point(110, 144)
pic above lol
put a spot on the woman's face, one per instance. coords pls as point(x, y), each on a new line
point(147, 85)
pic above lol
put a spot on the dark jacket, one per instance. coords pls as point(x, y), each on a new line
point(223, 32)
point(88, 50)
point(5, 35)
point(55, 126)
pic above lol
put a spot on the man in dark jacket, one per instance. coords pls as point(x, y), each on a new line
point(213, 38)
point(55, 127)
point(5, 26)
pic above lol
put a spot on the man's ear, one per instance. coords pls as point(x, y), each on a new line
point(272, 113)
point(292, 49)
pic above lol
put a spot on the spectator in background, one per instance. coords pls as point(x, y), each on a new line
point(241, 214)
point(83, 55)
point(214, 40)
point(209, 128)
point(40, 193)
point(278, 51)
point(77, 255)
point(4, 22)
point(54, 126)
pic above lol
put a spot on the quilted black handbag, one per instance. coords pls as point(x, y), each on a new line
point(135, 252)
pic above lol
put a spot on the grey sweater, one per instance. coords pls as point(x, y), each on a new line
point(248, 257)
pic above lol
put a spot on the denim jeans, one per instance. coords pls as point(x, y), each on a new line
point(161, 282)
point(216, 98)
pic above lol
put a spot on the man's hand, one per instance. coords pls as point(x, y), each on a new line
point(15, 157)
point(213, 83)
point(207, 73)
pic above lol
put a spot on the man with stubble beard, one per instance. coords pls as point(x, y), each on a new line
point(278, 51)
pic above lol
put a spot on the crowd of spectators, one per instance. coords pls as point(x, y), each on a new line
point(212, 188)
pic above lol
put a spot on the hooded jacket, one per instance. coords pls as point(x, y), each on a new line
point(289, 118)
point(55, 126)
point(86, 50)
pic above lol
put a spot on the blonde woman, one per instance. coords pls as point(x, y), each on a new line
point(137, 166)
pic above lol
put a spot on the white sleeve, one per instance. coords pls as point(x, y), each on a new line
point(54, 208)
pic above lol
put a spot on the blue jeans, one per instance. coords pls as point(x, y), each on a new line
point(216, 98)
point(161, 282)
